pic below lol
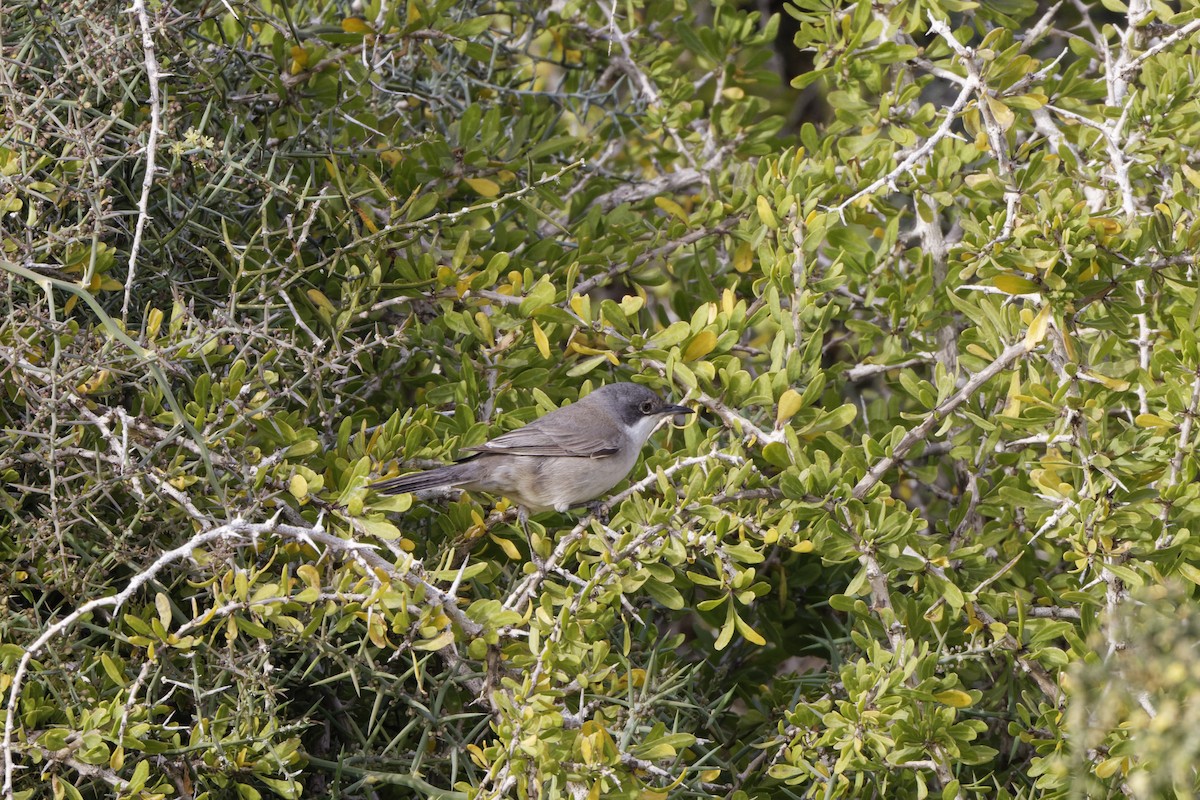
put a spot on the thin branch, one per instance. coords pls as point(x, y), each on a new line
point(969, 87)
point(669, 183)
point(139, 7)
point(524, 591)
point(1185, 443)
point(237, 529)
point(662, 250)
point(1128, 70)
point(918, 434)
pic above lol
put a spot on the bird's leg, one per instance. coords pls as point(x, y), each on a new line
point(600, 510)
point(523, 519)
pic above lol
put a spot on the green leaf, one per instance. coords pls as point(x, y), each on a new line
point(397, 502)
point(252, 628)
point(665, 594)
point(727, 630)
point(586, 365)
point(670, 336)
point(542, 294)
point(380, 528)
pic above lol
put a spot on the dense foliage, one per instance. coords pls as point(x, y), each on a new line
point(929, 533)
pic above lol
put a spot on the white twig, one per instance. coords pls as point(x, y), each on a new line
point(1035, 33)
point(1136, 63)
point(139, 7)
point(732, 419)
point(969, 87)
point(863, 371)
point(645, 86)
point(238, 528)
point(1185, 441)
point(318, 342)
point(918, 434)
point(1185, 430)
point(524, 591)
point(1053, 520)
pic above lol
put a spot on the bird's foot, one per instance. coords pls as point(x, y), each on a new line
point(600, 510)
point(523, 521)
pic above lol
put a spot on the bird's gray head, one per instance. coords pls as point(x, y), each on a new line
point(638, 408)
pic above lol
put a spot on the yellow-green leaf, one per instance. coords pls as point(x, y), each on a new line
point(319, 300)
point(484, 186)
point(112, 670)
point(154, 321)
point(1190, 572)
point(508, 547)
point(298, 487)
point(539, 338)
point(749, 634)
point(377, 632)
point(1116, 384)
point(1014, 284)
point(162, 604)
point(380, 528)
point(789, 403)
point(670, 336)
point(443, 639)
point(581, 304)
point(955, 698)
point(1012, 407)
point(395, 502)
point(309, 574)
point(701, 345)
point(355, 25)
point(1152, 421)
point(765, 213)
point(1037, 328)
point(1192, 175)
point(743, 257)
point(1027, 102)
point(671, 207)
point(1001, 112)
point(727, 630)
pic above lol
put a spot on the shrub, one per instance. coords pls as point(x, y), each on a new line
point(929, 533)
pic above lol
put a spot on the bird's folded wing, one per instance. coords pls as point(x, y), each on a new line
point(550, 437)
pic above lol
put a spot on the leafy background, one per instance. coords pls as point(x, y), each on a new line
point(926, 269)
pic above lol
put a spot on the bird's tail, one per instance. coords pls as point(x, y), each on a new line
point(430, 479)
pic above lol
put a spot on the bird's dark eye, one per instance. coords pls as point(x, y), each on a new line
point(646, 407)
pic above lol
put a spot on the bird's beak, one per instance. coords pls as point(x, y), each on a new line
point(678, 412)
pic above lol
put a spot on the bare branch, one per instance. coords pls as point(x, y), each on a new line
point(918, 434)
point(139, 7)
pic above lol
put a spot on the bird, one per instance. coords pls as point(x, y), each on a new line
point(560, 461)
